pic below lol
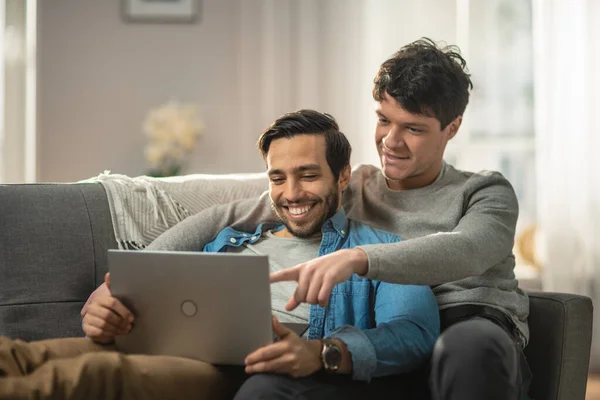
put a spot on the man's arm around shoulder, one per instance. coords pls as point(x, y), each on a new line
point(195, 232)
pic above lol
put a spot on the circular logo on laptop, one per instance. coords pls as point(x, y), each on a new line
point(188, 308)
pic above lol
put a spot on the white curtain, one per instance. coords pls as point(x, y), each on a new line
point(567, 117)
point(18, 24)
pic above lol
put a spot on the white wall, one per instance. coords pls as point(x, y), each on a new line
point(244, 62)
point(99, 75)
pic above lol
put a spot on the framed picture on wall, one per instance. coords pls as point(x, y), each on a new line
point(160, 10)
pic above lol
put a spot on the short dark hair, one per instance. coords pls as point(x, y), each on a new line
point(310, 122)
point(426, 79)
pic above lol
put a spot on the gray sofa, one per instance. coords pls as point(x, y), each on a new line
point(53, 244)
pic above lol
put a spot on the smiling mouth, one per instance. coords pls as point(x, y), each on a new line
point(394, 157)
point(298, 212)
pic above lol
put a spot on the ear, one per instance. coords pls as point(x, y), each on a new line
point(453, 126)
point(344, 179)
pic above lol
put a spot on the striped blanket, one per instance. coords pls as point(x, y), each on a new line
point(142, 207)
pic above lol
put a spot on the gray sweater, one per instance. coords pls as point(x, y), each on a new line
point(459, 233)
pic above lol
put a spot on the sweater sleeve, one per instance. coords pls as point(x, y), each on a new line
point(483, 238)
point(193, 233)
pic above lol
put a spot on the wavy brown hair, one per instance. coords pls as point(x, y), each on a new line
point(426, 79)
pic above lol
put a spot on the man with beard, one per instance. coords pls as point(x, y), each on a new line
point(373, 329)
point(458, 229)
point(369, 330)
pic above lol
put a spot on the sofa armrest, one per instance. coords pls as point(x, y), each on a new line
point(53, 246)
point(559, 346)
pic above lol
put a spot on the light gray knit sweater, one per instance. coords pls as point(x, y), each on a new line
point(459, 233)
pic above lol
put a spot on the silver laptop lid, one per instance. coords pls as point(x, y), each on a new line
point(214, 307)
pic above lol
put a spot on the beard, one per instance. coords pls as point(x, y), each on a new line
point(305, 229)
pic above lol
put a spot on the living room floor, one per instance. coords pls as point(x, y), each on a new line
point(593, 387)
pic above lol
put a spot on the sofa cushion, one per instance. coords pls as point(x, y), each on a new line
point(42, 320)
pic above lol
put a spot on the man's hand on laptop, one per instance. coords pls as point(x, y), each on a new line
point(101, 290)
point(316, 278)
point(290, 355)
point(106, 317)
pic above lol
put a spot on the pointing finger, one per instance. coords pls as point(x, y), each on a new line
point(290, 274)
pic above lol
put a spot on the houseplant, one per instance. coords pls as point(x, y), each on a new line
point(172, 130)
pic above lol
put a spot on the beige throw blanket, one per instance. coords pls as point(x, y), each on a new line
point(142, 207)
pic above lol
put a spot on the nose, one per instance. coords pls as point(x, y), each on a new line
point(293, 190)
point(393, 139)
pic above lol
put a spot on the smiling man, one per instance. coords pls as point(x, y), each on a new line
point(458, 229)
point(369, 329)
point(410, 157)
point(303, 215)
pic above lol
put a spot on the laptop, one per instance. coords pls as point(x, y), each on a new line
point(214, 307)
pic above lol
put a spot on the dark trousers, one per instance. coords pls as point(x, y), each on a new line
point(473, 359)
point(478, 359)
point(322, 386)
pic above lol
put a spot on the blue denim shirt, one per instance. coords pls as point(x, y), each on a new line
point(388, 328)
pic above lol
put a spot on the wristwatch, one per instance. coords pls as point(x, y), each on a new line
point(331, 355)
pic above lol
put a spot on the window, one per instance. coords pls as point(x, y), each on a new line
point(2, 24)
point(498, 130)
point(496, 39)
point(18, 90)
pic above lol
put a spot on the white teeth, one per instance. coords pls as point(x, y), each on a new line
point(299, 210)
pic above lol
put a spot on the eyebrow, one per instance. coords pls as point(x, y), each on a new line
point(296, 170)
point(380, 114)
point(415, 124)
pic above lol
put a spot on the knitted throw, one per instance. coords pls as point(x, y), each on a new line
point(142, 207)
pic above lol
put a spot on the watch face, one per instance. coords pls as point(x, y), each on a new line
point(332, 356)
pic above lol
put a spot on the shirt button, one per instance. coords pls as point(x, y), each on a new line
point(245, 235)
point(343, 232)
point(232, 240)
point(253, 238)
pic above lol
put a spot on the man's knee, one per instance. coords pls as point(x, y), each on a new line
point(475, 343)
point(475, 336)
point(100, 364)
